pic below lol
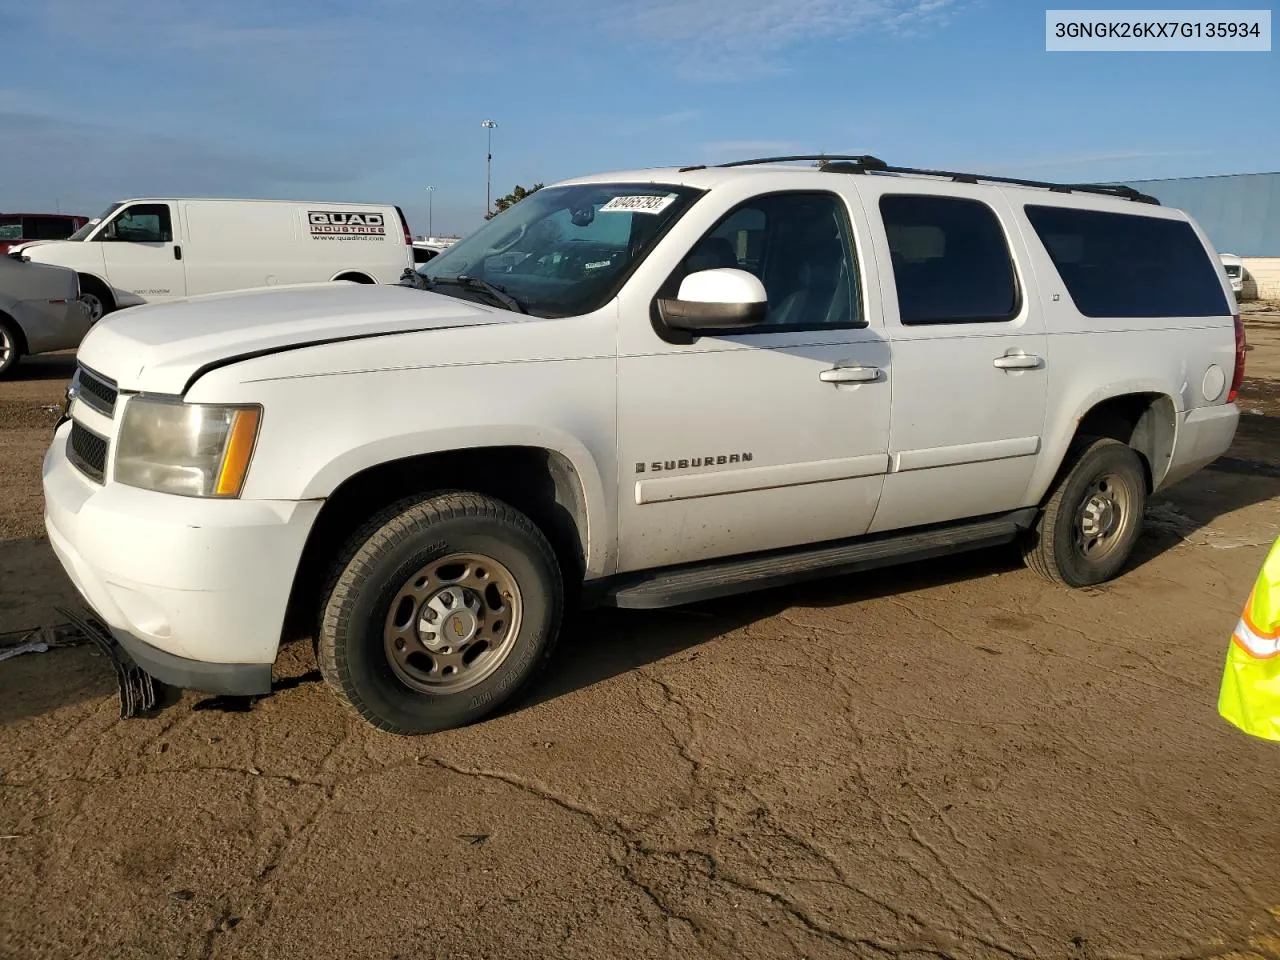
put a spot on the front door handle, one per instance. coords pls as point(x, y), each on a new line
point(850, 375)
point(1017, 361)
point(177, 252)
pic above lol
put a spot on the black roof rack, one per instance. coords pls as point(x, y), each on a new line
point(868, 164)
point(863, 162)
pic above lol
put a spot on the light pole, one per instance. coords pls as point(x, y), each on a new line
point(488, 166)
point(431, 192)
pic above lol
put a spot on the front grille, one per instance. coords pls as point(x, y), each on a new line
point(97, 392)
point(87, 452)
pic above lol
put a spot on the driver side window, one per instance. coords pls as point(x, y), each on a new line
point(800, 246)
point(142, 223)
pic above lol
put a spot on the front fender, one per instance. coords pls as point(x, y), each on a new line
point(349, 463)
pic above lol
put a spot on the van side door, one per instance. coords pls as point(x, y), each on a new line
point(142, 253)
point(970, 351)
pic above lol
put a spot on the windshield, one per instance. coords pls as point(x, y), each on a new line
point(563, 251)
point(92, 225)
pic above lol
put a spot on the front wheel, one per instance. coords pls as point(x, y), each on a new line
point(444, 609)
point(10, 347)
point(97, 298)
point(1087, 530)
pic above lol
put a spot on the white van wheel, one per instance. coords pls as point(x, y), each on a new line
point(98, 299)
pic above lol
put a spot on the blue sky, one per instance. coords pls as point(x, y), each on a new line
point(375, 99)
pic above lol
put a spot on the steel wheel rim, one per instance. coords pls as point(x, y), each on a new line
point(95, 306)
point(452, 624)
point(1103, 517)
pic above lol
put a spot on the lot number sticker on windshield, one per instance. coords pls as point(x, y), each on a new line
point(642, 204)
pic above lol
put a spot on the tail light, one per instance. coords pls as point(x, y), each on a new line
point(408, 237)
point(1238, 376)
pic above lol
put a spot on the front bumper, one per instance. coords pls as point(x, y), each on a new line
point(194, 589)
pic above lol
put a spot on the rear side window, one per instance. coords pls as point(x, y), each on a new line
point(1129, 265)
point(10, 228)
point(951, 263)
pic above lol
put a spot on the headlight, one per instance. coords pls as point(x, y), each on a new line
point(191, 449)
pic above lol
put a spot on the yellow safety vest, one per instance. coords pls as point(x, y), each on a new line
point(1250, 695)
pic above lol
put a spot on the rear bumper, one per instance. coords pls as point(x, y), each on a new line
point(1203, 435)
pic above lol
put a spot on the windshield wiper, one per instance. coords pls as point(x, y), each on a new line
point(475, 283)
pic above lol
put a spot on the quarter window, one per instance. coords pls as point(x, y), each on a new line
point(1129, 265)
point(951, 262)
point(801, 248)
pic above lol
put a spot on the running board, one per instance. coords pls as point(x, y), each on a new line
point(654, 589)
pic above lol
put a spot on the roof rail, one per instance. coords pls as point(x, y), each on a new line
point(1105, 189)
point(864, 162)
point(835, 163)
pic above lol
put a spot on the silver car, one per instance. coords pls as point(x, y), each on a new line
point(40, 310)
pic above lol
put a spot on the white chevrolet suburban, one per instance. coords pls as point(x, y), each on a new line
point(641, 389)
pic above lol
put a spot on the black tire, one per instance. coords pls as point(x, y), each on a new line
point(11, 346)
point(1101, 469)
point(382, 561)
point(356, 278)
point(91, 290)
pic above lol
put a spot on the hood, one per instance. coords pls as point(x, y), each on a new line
point(160, 347)
point(23, 246)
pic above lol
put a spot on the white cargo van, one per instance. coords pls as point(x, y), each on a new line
point(158, 250)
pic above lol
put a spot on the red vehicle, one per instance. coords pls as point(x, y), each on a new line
point(16, 228)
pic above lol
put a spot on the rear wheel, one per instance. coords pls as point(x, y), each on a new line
point(442, 611)
point(10, 346)
point(1087, 530)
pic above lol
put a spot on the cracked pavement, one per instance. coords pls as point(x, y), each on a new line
point(948, 760)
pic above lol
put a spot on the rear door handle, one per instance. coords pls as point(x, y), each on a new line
point(177, 252)
point(850, 375)
point(1017, 361)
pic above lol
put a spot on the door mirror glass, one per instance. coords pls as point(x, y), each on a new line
point(723, 298)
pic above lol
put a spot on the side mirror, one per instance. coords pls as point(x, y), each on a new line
point(721, 299)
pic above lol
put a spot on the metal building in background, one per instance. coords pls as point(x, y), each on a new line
point(1239, 212)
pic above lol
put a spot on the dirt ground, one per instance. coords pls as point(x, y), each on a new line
point(945, 760)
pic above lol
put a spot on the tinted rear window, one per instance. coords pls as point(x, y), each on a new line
point(951, 263)
point(1128, 265)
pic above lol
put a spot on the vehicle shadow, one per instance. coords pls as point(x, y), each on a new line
point(1248, 474)
point(44, 367)
point(600, 644)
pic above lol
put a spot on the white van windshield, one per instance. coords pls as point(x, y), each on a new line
point(562, 251)
point(92, 225)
